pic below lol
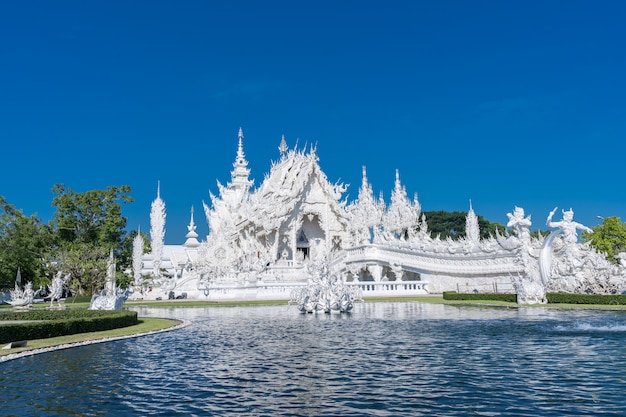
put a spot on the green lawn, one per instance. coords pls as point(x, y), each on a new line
point(145, 325)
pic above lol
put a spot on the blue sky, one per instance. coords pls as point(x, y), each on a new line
point(504, 103)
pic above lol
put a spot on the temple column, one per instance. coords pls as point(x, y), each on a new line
point(376, 271)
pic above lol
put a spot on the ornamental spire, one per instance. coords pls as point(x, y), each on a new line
point(192, 241)
point(398, 184)
point(239, 174)
point(240, 154)
point(472, 229)
point(364, 178)
point(157, 231)
point(282, 148)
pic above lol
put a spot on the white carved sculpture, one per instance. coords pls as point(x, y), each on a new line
point(157, 232)
point(138, 247)
point(529, 286)
point(325, 292)
point(56, 288)
point(112, 297)
point(569, 266)
point(22, 298)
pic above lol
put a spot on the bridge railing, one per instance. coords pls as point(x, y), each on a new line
point(391, 288)
point(283, 290)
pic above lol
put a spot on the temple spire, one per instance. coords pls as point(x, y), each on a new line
point(240, 154)
point(157, 231)
point(398, 185)
point(192, 236)
point(472, 229)
point(282, 148)
point(240, 173)
point(364, 178)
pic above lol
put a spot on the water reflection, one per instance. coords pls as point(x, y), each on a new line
point(383, 359)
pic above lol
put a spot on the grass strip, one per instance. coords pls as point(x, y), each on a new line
point(145, 325)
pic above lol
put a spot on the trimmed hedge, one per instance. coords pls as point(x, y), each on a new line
point(553, 298)
point(53, 323)
point(603, 299)
point(453, 295)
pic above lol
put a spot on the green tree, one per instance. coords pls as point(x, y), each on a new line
point(94, 216)
point(87, 226)
point(452, 224)
point(87, 264)
point(609, 237)
point(24, 244)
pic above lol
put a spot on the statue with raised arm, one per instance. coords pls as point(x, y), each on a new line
point(520, 224)
point(567, 226)
point(56, 288)
point(565, 264)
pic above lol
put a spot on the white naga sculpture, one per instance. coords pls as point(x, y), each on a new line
point(325, 292)
point(22, 298)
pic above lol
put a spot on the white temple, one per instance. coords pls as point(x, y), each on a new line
point(262, 240)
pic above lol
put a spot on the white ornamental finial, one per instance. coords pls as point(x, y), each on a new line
point(364, 177)
point(398, 184)
point(157, 230)
point(472, 229)
point(191, 226)
point(192, 241)
point(282, 148)
point(240, 155)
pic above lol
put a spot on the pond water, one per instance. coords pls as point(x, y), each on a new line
point(383, 359)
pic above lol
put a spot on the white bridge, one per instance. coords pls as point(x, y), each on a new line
point(384, 271)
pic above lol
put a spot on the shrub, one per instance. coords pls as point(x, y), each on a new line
point(453, 295)
point(53, 323)
point(602, 299)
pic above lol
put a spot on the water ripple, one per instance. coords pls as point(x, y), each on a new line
point(384, 359)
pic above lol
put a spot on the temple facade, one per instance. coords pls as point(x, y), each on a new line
point(264, 242)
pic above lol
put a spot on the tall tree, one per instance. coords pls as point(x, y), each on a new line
point(88, 225)
point(24, 242)
point(609, 237)
point(93, 216)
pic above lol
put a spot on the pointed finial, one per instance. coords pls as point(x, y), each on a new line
point(240, 154)
point(398, 184)
point(364, 177)
point(282, 148)
point(192, 225)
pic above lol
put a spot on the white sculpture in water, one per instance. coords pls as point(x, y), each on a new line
point(325, 292)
